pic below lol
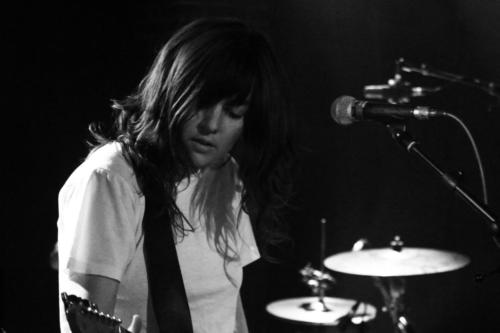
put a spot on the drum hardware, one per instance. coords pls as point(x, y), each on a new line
point(320, 310)
point(318, 280)
point(397, 91)
point(386, 262)
point(392, 292)
point(389, 266)
point(391, 288)
point(342, 312)
point(360, 244)
point(489, 87)
point(397, 244)
point(480, 277)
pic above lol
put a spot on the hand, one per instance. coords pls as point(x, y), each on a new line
point(135, 326)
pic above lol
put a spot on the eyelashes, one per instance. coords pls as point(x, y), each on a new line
point(235, 112)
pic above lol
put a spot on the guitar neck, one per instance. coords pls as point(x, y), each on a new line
point(85, 317)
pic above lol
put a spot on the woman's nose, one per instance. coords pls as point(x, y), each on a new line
point(211, 119)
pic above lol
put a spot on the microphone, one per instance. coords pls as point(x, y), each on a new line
point(346, 109)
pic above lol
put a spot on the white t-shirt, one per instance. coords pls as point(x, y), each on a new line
point(100, 232)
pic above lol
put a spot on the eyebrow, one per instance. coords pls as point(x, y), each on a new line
point(233, 101)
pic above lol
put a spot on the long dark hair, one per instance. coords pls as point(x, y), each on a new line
point(203, 63)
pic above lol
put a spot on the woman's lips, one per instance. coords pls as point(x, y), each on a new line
point(201, 145)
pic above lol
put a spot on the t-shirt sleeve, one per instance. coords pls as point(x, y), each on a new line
point(96, 225)
point(248, 246)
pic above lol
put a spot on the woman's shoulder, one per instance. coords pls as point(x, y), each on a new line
point(107, 160)
point(108, 157)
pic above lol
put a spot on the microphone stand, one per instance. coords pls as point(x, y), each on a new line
point(402, 137)
point(489, 87)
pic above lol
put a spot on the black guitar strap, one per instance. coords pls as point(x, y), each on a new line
point(166, 287)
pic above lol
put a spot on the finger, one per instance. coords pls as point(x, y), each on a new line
point(135, 326)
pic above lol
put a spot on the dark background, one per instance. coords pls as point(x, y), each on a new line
point(64, 63)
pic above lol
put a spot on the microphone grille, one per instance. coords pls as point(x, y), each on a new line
point(341, 110)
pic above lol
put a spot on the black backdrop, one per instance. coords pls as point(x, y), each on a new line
point(64, 63)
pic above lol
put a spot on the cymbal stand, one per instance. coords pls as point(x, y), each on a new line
point(392, 290)
point(318, 280)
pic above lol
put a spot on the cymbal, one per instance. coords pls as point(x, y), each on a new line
point(387, 262)
point(308, 310)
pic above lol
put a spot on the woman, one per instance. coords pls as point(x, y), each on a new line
point(202, 144)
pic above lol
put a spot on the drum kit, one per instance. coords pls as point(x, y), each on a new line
point(388, 268)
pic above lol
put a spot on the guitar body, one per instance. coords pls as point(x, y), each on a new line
point(84, 317)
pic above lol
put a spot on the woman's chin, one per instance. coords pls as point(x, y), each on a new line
point(203, 161)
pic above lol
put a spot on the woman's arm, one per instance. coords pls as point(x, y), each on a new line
point(102, 291)
point(98, 289)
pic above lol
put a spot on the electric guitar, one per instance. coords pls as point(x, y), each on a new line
point(85, 317)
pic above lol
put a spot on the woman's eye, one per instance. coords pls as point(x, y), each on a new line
point(235, 115)
point(235, 112)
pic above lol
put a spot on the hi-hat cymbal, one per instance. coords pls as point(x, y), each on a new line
point(387, 262)
point(308, 310)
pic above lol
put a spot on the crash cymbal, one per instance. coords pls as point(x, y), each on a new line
point(309, 310)
point(387, 262)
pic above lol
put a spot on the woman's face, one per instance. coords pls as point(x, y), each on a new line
point(210, 134)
